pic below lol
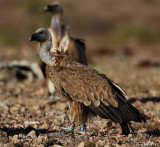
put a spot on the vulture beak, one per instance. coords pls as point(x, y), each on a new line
point(33, 37)
point(47, 8)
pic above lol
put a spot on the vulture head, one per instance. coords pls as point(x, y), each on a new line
point(41, 35)
point(44, 37)
point(54, 8)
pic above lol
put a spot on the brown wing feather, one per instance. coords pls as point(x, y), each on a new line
point(76, 51)
point(80, 83)
point(86, 85)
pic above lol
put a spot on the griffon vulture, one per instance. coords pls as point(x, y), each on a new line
point(92, 91)
point(74, 48)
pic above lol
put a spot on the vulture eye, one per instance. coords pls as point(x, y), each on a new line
point(40, 32)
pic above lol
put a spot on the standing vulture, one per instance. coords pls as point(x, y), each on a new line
point(74, 48)
point(94, 92)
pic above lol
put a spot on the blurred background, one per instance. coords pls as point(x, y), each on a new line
point(118, 34)
point(103, 24)
point(122, 41)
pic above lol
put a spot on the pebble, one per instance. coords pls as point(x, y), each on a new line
point(32, 134)
point(82, 144)
point(56, 145)
point(31, 122)
point(45, 126)
point(36, 111)
point(3, 137)
point(61, 106)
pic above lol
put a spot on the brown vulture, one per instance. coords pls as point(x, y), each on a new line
point(92, 91)
point(74, 48)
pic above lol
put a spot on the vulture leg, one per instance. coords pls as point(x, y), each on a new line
point(71, 126)
point(83, 128)
point(51, 88)
point(79, 114)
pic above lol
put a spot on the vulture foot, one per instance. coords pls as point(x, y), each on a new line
point(52, 97)
point(83, 128)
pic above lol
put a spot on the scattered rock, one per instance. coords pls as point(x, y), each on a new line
point(32, 134)
point(45, 126)
point(149, 105)
point(3, 137)
point(82, 144)
point(29, 118)
point(61, 106)
point(56, 145)
point(8, 145)
point(31, 122)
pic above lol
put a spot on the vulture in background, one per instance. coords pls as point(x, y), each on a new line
point(94, 92)
point(74, 48)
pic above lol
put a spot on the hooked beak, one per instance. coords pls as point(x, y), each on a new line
point(47, 8)
point(33, 37)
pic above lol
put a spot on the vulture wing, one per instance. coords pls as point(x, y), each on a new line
point(102, 97)
point(81, 48)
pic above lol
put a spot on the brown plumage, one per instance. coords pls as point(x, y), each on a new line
point(92, 91)
point(74, 48)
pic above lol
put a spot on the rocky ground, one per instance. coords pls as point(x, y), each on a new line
point(122, 40)
point(29, 118)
